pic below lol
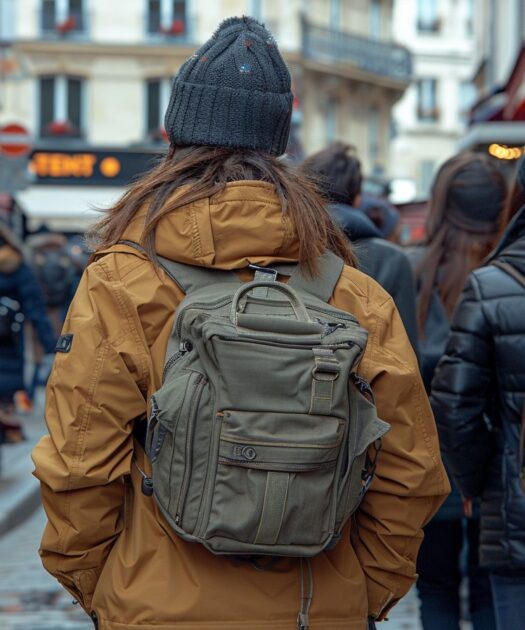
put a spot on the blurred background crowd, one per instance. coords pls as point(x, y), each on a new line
point(410, 112)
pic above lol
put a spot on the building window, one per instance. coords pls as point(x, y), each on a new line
point(427, 16)
point(335, 14)
point(426, 175)
point(255, 9)
point(427, 108)
point(330, 114)
point(157, 99)
point(62, 16)
point(467, 97)
point(469, 18)
point(61, 106)
point(374, 26)
point(168, 17)
point(374, 134)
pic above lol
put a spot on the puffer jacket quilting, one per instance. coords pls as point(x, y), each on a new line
point(478, 394)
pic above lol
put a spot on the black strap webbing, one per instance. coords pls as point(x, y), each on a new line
point(510, 270)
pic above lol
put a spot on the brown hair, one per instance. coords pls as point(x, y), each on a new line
point(338, 171)
point(208, 170)
point(514, 202)
point(456, 243)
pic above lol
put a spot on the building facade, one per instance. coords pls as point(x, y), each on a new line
point(90, 75)
point(497, 120)
point(433, 114)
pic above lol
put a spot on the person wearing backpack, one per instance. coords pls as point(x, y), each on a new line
point(213, 435)
point(478, 395)
point(466, 209)
point(20, 299)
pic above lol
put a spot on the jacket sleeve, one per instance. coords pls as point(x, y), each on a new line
point(93, 396)
point(33, 307)
point(460, 394)
point(410, 482)
point(404, 294)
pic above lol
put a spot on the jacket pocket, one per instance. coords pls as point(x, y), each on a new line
point(274, 481)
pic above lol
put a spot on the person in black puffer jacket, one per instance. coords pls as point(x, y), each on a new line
point(18, 286)
point(465, 212)
point(478, 397)
point(338, 172)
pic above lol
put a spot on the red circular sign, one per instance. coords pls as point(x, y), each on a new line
point(15, 140)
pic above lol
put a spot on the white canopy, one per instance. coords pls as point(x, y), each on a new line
point(67, 208)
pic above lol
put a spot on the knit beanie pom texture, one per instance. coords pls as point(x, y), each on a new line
point(235, 91)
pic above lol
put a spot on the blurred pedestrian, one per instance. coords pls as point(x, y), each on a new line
point(338, 171)
point(55, 271)
point(465, 213)
point(220, 201)
point(20, 298)
point(478, 395)
point(383, 215)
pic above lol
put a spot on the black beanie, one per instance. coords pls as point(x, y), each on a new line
point(476, 197)
point(235, 91)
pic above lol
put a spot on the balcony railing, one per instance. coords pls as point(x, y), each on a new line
point(375, 57)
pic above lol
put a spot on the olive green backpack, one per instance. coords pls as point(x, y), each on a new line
point(258, 435)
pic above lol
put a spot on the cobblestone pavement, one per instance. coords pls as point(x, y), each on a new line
point(32, 600)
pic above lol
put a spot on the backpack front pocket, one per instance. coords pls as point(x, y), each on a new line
point(274, 481)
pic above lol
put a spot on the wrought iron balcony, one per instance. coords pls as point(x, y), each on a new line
point(327, 45)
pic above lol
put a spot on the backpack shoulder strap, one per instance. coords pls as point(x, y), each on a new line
point(189, 278)
point(510, 270)
point(322, 286)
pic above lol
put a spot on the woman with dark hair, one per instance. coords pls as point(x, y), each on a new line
point(478, 394)
point(220, 201)
point(464, 217)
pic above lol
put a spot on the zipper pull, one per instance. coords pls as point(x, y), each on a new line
point(185, 346)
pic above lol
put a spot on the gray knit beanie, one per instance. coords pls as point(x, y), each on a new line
point(235, 91)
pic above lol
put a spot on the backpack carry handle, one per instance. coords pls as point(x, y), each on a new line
point(298, 307)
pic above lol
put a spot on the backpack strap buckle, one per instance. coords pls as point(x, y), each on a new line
point(326, 370)
point(263, 274)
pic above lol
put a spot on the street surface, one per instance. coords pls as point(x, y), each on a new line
point(30, 599)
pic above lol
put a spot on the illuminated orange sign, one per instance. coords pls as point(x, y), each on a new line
point(75, 165)
point(503, 152)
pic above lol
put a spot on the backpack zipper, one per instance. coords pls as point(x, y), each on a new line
point(194, 405)
point(219, 304)
point(294, 346)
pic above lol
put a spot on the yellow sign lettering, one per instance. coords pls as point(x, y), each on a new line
point(63, 165)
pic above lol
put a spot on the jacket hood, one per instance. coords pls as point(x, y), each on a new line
point(511, 247)
point(354, 223)
point(243, 224)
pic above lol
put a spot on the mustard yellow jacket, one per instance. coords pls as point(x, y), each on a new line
point(107, 543)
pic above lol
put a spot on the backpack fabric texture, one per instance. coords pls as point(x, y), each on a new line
point(240, 465)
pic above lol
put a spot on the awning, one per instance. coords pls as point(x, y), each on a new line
point(505, 102)
point(66, 207)
point(482, 134)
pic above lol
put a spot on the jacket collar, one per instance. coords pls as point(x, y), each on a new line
point(514, 232)
point(354, 222)
point(242, 225)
